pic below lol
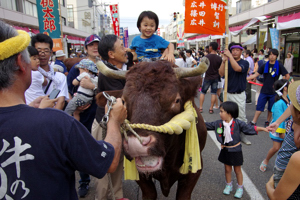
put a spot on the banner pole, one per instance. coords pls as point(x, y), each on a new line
point(61, 30)
point(226, 46)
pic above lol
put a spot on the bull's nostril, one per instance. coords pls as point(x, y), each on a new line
point(146, 140)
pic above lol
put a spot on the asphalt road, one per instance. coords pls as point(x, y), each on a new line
point(212, 181)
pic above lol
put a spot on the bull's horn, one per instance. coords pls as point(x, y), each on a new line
point(189, 72)
point(116, 74)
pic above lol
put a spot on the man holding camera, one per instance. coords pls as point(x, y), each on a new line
point(56, 80)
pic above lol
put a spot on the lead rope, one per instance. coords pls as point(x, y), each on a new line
point(111, 100)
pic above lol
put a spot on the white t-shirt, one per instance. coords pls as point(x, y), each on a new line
point(189, 61)
point(85, 90)
point(180, 62)
point(36, 88)
point(63, 87)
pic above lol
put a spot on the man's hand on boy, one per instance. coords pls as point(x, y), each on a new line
point(87, 83)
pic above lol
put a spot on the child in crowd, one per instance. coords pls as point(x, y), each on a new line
point(87, 68)
point(282, 102)
point(288, 145)
point(147, 46)
point(37, 79)
point(228, 131)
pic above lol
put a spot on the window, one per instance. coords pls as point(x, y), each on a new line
point(9, 4)
point(70, 13)
point(64, 22)
point(30, 8)
point(62, 2)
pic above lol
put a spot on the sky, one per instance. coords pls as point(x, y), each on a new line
point(131, 9)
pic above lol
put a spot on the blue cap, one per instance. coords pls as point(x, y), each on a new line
point(90, 39)
point(88, 64)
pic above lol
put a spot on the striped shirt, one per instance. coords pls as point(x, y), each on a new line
point(286, 151)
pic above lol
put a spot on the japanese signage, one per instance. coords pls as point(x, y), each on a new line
point(205, 16)
point(274, 38)
point(114, 10)
point(180, 31)
point(49, 20)
point(262, 35)
point(17, 154)
point(122, 34)
point(126, 37)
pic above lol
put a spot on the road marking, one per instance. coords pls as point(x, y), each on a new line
point(248, 184)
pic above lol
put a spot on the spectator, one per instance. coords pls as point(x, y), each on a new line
point(181, 61)
point(271, 71)
point(113, 53)
point(288, 63)
point(60, 58)
point(88, 112)
point(43, 156)
point(248, 57)
point(237, 73)
point(190, 61)
point(261, 55)
point(212, 77)
point(56, 80)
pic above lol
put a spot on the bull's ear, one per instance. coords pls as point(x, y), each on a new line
point(101, 100)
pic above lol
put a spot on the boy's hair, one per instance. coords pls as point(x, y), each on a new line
point(43, 38)
point(150, 15)
point(248, 52)
point(278, 84)
point(32, 51)
point(231, 108)
point(214, 46)
point(274, 52)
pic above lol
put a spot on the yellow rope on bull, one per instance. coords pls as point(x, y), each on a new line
point(14, 45)
point(185, 120)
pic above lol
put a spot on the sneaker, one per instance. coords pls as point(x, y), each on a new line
point(249, 102)
point(227, 190)
point(267, 124)
point(239, 193)
point(244, 139)
point(83, 189)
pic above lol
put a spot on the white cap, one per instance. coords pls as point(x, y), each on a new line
point(59, 53)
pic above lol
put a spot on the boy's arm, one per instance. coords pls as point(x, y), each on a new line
point(75, 82)
point(169, 53)
point(258, 128)
point(273, 127)
point(134, 55)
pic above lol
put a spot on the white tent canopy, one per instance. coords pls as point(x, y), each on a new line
point(253, 40)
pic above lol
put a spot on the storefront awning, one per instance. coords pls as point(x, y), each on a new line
point(290, 21)
point(253, 40)
point(237, 29)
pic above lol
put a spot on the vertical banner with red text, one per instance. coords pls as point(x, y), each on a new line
point(180, 31)
point(205, 16)
point(49, 21)
point(114, 10)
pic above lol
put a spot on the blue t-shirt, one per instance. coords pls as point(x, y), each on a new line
point(87, 116)
point(237, 80)
point(268, 83)
point(59, 62)
point(150, 47)
point(40, 149)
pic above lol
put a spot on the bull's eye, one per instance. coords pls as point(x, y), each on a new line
point(177, 101)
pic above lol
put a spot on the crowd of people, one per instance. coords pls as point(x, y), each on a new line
point(73, 140)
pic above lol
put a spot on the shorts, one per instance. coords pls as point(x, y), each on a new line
point(277, 140)
point(278, 173)
point(210, 83)
point(263, 99)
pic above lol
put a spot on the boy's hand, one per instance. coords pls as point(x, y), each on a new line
point(170, 58)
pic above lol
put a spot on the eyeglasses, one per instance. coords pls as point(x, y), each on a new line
point(45, 51)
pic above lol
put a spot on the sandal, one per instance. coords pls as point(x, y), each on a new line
point(201, 110)
point(263, 166)
point(211, 111)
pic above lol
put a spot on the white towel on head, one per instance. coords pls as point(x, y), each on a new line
point(227, 131)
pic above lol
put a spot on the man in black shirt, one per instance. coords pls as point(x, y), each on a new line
point(114, 56)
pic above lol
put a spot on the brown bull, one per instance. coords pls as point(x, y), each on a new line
point(70, 62)
point(154, 93)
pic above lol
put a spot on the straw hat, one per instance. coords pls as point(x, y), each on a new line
point(294, 94)
point(59, 53)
